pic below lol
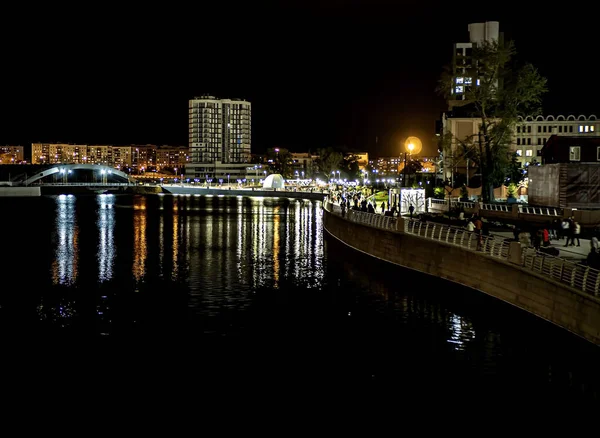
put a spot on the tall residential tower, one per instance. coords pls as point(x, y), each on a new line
point(219, 137)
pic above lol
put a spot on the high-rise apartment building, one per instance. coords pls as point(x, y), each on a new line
point(219, 137)
point(463, 70)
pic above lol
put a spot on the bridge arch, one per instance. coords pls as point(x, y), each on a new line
point(70, 167)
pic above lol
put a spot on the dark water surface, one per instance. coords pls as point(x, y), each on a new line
point(190, 291)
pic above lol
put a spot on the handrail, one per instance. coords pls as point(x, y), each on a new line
point(575, 275)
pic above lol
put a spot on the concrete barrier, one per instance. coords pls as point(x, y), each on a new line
point(566, 307)
point(20, 191)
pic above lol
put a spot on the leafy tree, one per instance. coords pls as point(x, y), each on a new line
point(350, 166)
point(281, 161)
point(500, 92)
point(514, 172)
point(329, 160)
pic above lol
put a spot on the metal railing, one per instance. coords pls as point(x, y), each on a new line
point(548, 211)
point(374, 220)
point(575, 275)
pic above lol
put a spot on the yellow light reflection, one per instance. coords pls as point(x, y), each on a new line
point(139, 237)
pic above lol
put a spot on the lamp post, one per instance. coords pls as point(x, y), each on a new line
point(228, 180)
point(410, 148)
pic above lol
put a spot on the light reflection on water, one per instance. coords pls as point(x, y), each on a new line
point(106, 245)
point(222, 266)
point(64, 266)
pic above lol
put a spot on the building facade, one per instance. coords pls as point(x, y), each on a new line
point(529, 136)
point(12, 155)
point(130, 159)
point(463, 70)
point(219, 137)
point(532, 133)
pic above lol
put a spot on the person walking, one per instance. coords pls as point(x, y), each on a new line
point(411, 210)
point(567, 230)
point(576, 233)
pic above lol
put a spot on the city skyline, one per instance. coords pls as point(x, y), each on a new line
point(356, 74)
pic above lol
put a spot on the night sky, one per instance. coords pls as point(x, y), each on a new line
point(327, 73)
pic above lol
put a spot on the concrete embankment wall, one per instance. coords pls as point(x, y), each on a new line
point(575, 311)
point(20, 191)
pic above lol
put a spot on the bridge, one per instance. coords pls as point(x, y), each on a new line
point(560, 291)
point(92, 174)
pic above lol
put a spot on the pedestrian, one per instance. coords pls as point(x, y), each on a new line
point(383, 207)
point(576, 232)
point(479, 230)
point(545, 237)
point(470, 226)
point(411, 209)
point(566, 232)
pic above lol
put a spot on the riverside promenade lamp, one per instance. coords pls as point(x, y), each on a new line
point(412, 145)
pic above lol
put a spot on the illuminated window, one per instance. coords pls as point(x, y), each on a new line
point(580, 128)
point(587, 128)
point(478, 82)
point(529, 153)
point(574, 153)
point(519, 152)
point(468, 81)
point(459, 89)
point(459, 80)
point(592, 128)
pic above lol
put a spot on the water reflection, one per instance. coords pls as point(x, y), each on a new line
point(106, 244)
point(60, 314)
point(64, 266)
point(461, 331)
point(139, 238)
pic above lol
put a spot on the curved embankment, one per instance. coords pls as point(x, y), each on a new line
point(566, 307)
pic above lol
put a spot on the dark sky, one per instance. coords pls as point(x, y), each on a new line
point(318, 73)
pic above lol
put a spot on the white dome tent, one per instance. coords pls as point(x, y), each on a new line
point(274, 181)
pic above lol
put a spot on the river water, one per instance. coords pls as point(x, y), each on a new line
point(253, 289)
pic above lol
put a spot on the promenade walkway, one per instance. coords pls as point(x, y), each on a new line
point(575, 253)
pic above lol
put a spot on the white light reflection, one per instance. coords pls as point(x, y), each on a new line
point(106, 244)
point(461, 332)
point(64, 267)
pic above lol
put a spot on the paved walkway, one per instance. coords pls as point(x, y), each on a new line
point(569, 253)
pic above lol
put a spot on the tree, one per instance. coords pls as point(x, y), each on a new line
point(329, 160)
point(350, 165)
point(498, 94)
point(514, 172)
point(281, 161)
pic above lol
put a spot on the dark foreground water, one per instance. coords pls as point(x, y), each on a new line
point(189, 292)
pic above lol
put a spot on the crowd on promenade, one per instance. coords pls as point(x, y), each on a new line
point(546, 238)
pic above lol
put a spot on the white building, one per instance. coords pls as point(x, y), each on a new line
point(219, 137)
point(531, 134)
point(528, 137)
